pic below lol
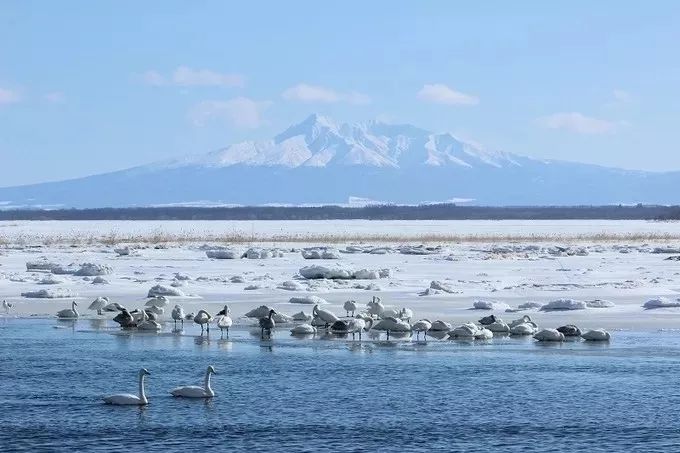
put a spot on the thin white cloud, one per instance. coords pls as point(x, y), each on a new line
point(578, 123)
point(438, 93)
point(622, 96)
point(185, 76)
point(304, 92)
point(8, 96)
point(240, 112)
point(55, 97)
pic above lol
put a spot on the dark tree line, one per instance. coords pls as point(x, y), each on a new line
point(378, 212)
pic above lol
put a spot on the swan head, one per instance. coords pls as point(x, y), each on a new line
point(211, 370)
point(144, 372)
point(226, 310)
point(272, 312)
point(315, 310)
point(75, 303)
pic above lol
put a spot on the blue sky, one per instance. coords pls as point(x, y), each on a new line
point(88, 87)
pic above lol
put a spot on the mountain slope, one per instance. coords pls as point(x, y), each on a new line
point(320, 161)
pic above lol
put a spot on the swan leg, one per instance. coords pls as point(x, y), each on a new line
point(262, 334)
point(227, 332)
point(388, 335)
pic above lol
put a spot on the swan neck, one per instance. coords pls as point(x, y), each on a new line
point(207, 382)
point(142, 395)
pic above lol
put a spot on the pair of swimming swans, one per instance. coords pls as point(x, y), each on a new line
point(188, 391)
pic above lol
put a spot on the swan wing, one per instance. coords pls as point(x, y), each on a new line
point(190, 391)
point(122, 399)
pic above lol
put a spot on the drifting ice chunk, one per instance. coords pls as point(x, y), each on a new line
point(56, 293)
point(309, 300)
point(291, 285)
point(320, 254)
point(92, 270)
point(437, 285)
point(259, 312)
point(599, 303)
point(311, 272)
point(160, 290)
point(222, 254)
point(489, 305)
point(661, 302)
point(564, 304)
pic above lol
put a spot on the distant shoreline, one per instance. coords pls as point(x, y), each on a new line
point(377, 212)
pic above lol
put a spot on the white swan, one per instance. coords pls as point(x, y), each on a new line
point(224, 320)
point(440, 326)
point(524, 328)
point(406, 314)
point(350, 305)
point(498, 326)
point(324, 315)
point(467, 330)
point(375, 307)
point(7, 306)
point(549, 335)
point(203, 318)
point(155, 310)
point(159, 302)
point(195, 391)
point(392, 325)
point(359, 324)
point(98, 304)
point(147, 324)
point(267, 324)
point(127, 399)
point(421, 326)
point(523, 320)
point(303, 329)
point(178, 314)
point(596, 335)
point(69, 313)
point(113, 307)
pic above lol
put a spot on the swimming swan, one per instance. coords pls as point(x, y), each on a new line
point(195, 391)
point(127, 399)
point(69, 312)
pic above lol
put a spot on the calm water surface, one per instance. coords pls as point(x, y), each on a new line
point(334, 395)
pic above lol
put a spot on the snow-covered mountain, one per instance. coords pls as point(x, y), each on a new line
point(320, 142)
point(321, 161)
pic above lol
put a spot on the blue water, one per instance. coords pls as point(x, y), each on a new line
point(335, 395)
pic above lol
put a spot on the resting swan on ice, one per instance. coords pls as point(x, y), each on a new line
point(195, 391)
point(596, 335)
point(549, 335)
point(127, 399)
point(303, 329)
point(178, 314)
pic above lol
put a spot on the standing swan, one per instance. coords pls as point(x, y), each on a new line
point(178, 315)
point(68, 312)
point(7, 306)
point(203, 318)
point(127, 399)
point(224, 320)
point(350, 305)
point(324, 315)
point(195, 391)
point(422, 326)
point(267, 324)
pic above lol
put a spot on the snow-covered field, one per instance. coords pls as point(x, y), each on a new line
point(442, 281)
